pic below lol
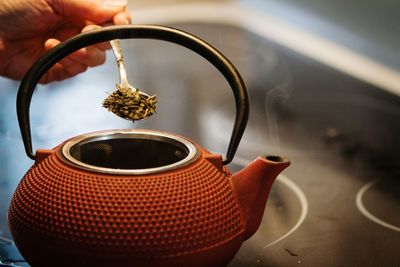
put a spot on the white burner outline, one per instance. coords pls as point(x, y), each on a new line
point(365, 212)
point(251, 146)
point(295, 189)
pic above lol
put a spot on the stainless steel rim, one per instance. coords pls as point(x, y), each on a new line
point(187, 146)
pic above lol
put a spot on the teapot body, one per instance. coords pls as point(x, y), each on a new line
point(187, 214)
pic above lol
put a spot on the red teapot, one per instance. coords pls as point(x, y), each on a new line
point(134, 197)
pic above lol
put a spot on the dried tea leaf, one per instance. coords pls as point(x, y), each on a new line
point(130, 104)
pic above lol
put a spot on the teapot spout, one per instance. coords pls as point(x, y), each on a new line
point(252, 186)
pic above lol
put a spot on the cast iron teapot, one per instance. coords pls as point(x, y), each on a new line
point(136, 197)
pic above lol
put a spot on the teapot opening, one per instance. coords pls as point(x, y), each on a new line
point(128, 152)
point(277, 159)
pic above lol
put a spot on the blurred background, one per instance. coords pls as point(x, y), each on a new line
point(324, 85)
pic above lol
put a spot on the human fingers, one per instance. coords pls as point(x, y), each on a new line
point(63, 69)
point(67, 30)
point(66, 67)
point(55, 73)
point(62, 35)
point(97, 11)
point(102, 46)
point(122, 18)
point(89, 56)
point(72, 67)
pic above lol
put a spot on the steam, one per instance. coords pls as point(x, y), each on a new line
point(269, 80)
point(274, 98)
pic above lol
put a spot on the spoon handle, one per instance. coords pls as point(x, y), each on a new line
point(116, 46)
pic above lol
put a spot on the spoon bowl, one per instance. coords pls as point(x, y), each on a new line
point(127, 101)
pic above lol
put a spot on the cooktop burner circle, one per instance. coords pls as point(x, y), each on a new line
point(286, 210)
point(376, 200)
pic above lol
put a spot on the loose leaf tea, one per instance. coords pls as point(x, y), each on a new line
point(130, 104)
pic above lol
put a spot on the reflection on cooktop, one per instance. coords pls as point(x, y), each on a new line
point(285, 212)
point(286, 209)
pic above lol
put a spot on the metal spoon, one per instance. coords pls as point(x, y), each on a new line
point(127, 101)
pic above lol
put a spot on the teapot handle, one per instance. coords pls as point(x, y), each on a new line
point(41, 66)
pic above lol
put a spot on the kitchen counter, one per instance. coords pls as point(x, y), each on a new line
point(368, 27)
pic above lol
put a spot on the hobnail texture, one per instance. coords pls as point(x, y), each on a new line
point(61, 213)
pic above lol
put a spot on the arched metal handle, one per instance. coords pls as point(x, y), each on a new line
point(40, 67)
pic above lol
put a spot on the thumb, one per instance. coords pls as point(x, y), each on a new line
point(97, 11)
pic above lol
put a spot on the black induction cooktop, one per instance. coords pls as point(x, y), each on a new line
point(338, 204)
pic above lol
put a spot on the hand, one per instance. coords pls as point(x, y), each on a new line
point(29, 28)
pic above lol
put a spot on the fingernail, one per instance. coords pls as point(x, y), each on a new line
point(115, 3)
point(126, 20)
point(90, 28)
